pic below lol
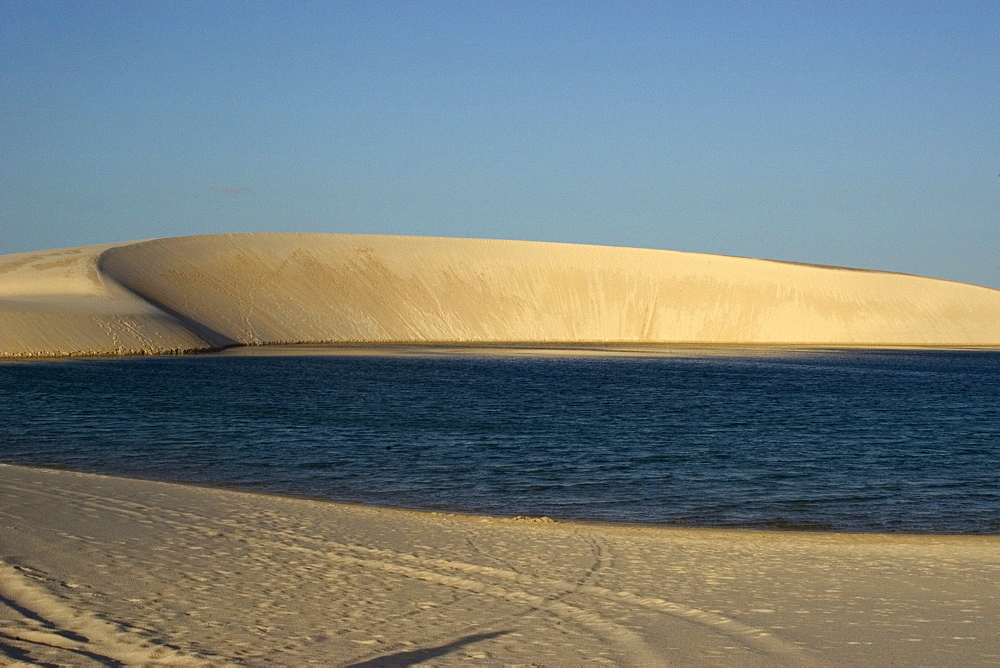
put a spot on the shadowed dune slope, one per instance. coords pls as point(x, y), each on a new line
point(190, 293)
point(57, 303)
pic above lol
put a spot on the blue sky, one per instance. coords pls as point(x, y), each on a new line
point(851, 133)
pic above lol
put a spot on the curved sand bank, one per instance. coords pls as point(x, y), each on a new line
point(206, 292)
point(99, 569)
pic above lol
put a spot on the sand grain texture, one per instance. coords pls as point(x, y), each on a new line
point(108, 569)
point(208, 292)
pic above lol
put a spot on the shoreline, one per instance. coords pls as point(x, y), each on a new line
point(520, 348)
point(143, 572)
point(763, 527)
point(611, 525)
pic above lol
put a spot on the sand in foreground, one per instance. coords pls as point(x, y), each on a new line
point(98, 569)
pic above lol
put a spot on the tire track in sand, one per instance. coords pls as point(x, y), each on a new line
point(47, 622)
point(627, 643)
point(533, 591)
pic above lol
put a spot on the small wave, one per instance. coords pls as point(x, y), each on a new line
point(321, 466)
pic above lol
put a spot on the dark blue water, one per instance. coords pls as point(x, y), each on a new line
point(843, 440)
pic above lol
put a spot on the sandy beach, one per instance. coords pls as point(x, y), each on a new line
point(100, 569)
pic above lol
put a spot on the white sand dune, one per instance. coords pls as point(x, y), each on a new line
point(205, 292)
point(98, 570)
point(55, 303)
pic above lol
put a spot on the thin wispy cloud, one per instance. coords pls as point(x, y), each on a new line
point(229, 190)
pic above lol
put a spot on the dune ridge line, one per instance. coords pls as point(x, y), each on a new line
point(208, 292)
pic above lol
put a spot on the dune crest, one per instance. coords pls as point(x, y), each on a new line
point(206, 292)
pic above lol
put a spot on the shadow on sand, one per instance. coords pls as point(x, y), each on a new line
point(401, 659)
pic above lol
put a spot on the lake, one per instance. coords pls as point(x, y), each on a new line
point(844, 440)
